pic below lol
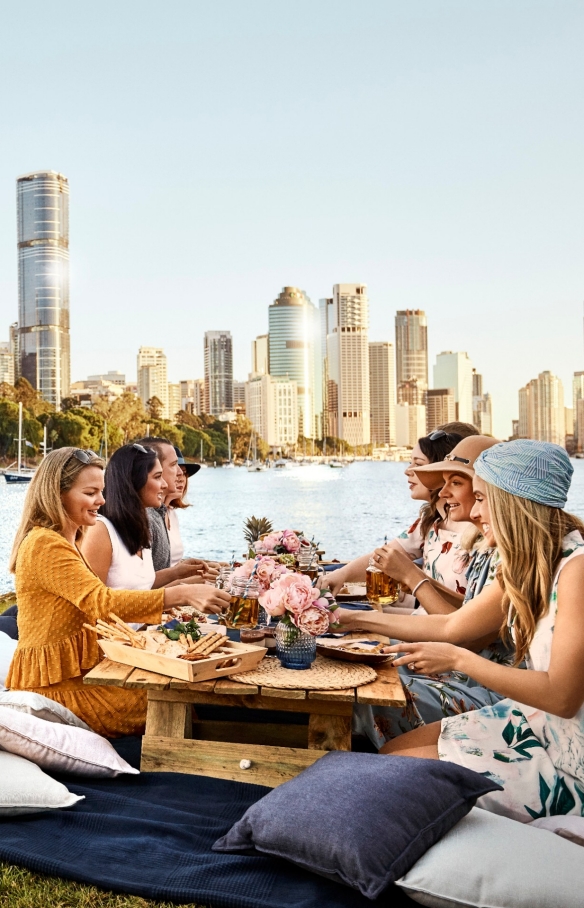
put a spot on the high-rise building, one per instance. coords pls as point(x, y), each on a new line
point(6, 364)
point(260, 355)
point(482, 406)
point(43, 283)
point(410, 424)
point(293, 346)
point(152, 378)
point(411, 355)
point(174, 399)
point(272, 407)
point(347, 365)
point(115, 377)
point(239, 397)
point(218, 372)
point(382, 392)
point(454, 370)
point(192, 395)
point(541, 409)
point(578, 408)
point(440, 408)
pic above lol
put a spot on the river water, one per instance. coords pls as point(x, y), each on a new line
point(347, 510)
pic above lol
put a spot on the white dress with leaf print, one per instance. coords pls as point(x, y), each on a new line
point(538, 758)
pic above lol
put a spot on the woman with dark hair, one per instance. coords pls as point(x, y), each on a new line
point(118, 547)
point(432, 536)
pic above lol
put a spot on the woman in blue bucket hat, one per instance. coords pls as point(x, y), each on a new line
point(531, 742)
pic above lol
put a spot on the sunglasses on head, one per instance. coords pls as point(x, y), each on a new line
point(142, 449)
point(440, 433)
point(83, 456)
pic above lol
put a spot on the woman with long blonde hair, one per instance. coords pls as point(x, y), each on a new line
point(531, 742)
point(58, 594)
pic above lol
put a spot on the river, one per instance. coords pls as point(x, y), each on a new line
point(347, 510)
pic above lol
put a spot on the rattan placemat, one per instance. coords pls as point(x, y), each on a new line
point(323, 674)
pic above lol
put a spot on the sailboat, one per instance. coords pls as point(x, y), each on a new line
point(256, 466)
point(229, 465)
point(21, 473)
point(203, 464)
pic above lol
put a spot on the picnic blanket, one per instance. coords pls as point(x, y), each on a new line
point(151, 836)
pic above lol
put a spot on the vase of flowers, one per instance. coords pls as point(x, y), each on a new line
point(304, 613)
point(280, 542)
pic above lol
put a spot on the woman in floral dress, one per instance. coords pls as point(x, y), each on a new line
point(531, 742)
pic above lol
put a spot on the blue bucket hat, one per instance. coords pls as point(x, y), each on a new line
point(537, 470)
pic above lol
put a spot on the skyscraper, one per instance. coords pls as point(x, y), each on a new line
point(440, 408)
point(260, 356)
point(541, 409)
point(382, 392)
point(293, 333)
point(272, 409)
point(152, 378)
point(454, 370)
point(347, 364)
point(43, 283)
point(578, 407)
point(218, 372)
point(6, 363)
point(411, 355)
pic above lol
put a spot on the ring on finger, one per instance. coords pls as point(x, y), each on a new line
point(412, 666)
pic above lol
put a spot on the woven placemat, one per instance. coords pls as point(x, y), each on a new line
point(323, 674)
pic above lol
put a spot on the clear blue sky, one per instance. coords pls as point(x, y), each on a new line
point(217, 151)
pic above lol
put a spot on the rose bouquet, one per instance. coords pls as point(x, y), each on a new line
point(298, 604)
point(281, 542)
point(264, 568)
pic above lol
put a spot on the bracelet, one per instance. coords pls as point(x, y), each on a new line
point(418, 585)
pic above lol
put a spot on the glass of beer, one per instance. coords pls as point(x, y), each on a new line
point(244, 607)
point(307, 560)
point(381, 589)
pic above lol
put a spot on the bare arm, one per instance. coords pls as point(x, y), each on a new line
point(355, 571)
point(97, 550)
point(202, 596)
point(435, 598)
point(559, 690)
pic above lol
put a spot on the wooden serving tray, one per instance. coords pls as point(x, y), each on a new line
point(242, 658)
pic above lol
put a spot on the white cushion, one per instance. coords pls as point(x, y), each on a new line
point(489, 861)
point(7, 647)
point(60, 748)
point(24, 701)
point(24, 788)
point(571, 828)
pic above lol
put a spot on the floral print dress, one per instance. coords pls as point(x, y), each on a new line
point(538, 758)
point(429, 698)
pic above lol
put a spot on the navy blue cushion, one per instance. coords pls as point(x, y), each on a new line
point(359, 819)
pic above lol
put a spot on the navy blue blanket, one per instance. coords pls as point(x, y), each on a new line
point(151, 836)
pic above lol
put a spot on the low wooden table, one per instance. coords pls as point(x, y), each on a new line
point(175, 743)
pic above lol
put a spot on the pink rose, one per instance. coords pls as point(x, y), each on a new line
point(290, 541)
point(271, 600)
point(297, 592)
point(245, 570)
point(312, 621)
point(269, 542)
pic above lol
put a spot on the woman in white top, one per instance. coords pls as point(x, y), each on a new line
point(118, 548)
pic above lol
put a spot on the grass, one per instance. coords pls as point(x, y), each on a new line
point(20, 888)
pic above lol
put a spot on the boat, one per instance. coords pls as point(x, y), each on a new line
point(337, 465)
point(255, 465)
point(22, 473)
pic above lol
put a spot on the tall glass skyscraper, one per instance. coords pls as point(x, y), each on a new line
point(411, 356)
point(218, 372)
point(43, 283)
point(294, 346)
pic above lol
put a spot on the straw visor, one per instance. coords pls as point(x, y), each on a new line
point(460, 460)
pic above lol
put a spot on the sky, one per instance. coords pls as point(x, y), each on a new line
point(218, 151)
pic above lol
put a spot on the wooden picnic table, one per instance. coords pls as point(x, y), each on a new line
point(173, 742)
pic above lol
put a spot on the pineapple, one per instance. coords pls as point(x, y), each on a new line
point(254, 527)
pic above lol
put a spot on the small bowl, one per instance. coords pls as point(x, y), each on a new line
point(346, 655)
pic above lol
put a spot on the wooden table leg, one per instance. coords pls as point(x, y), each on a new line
point(168, 719)
point(329, 732)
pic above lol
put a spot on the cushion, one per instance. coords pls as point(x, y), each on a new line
point(24, 788)
point(571, 827)
point(7, 647)
point(359, 819)
point(489, 860)
point(59, 748)
point(25, 701)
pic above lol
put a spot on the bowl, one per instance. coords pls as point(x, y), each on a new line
point(332, 650)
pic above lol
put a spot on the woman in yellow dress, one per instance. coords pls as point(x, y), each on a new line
point(58, 593)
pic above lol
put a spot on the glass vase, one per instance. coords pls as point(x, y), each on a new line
point(294, 648)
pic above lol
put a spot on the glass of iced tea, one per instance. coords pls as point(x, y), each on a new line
point(307, 560)
point(244, 607)
point(381, 589)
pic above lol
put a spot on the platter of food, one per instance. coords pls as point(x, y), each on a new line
point(181, 652)
point(366, 651)
point(352, 592)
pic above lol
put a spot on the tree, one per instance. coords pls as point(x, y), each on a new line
point(25, 394)
point(184, 418)
point(126, 413)
point(163, 429)
point(66, 429)
point(8, 426)
point(192, 439)
point(154, 407)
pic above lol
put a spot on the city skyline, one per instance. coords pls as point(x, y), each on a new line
point(205, 175)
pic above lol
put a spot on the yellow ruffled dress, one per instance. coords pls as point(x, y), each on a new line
point(57, 593)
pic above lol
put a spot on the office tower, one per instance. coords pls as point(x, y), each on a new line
point(218, 372)
point(347, 365)
point(293, 327)
point(192, 395)
point(174, 400)
point(578, 408)
point(440, 408)
point(260, 355)
point(541, 409)
point(6, 363)
point(239, 397)
point(115, 377)
point(152, 378)
point(454, 370)
point(410, 424)
point(382, 392)
point(482, 407)
point(411, 355)
point(272, 408)
point(43, 283)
